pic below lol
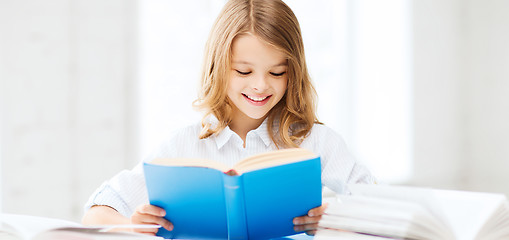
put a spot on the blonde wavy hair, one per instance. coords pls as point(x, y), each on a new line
point(274, 22)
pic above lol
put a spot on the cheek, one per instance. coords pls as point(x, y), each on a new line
point(283, 86)
point(232, 83)
point(233, 86)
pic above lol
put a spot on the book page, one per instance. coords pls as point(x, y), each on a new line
point(191, 162)
point(464, 213)
point(385, 217)
point(77, 234)
point(329, 234)
point(468, 212)
point(255, 162)
point(273, 158)
point(422, 196)
point(498, 226)
point(27, 227)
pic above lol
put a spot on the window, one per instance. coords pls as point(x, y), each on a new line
point(172, 40)
point(381, 85)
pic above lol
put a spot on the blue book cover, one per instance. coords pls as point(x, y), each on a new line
point(259, 202)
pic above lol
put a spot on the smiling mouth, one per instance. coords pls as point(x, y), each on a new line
point(256, 99)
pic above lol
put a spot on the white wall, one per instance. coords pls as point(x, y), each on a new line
point(438, 127)
point(485, 82)
point(461, 84)
point(68, 88)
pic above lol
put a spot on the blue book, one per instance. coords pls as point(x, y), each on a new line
point(257, 199)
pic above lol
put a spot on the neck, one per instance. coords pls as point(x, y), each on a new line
point(242, 124)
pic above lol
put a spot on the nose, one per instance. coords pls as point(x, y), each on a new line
point(260, 83)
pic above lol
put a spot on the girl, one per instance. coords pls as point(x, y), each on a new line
point(257, 96)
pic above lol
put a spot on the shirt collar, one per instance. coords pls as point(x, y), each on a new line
point(223, 137)
point(263, 132)
point(226, 134)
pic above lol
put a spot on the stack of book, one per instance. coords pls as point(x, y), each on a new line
point(398, 212)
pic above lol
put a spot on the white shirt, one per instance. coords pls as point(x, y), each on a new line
point(127, 190)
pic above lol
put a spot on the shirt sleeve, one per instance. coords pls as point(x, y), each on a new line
point(123, 192)
point(339, 166)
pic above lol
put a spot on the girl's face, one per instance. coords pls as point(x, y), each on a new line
point(258, 77)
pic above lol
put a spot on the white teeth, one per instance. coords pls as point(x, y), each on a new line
point(257, 99)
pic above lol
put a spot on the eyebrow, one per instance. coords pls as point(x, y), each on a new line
point(285, 63)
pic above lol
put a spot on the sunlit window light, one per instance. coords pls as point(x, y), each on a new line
point(382, 89)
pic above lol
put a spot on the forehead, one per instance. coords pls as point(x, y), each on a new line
point(250, 49)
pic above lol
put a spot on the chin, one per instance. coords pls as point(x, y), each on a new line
point(257, 117)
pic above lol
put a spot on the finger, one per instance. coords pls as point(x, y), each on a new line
point(311, 233)
point(139, 218)
point(318, 211)
point(150, 231)
point(305, 227)
point(161, 221)
point(151, 219)
point(151, 209)
point(306, 220)
point(166, 224)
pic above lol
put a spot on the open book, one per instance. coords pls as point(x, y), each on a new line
point(417, 213)
point(24, 227)
point(256, 199)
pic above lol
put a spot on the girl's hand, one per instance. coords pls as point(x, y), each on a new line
point(149, 214)
point(309, 223)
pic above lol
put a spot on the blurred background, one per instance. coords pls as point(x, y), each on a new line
point(418, 89)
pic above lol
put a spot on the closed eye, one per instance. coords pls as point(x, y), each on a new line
point(277, 74)
point(242, 73)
